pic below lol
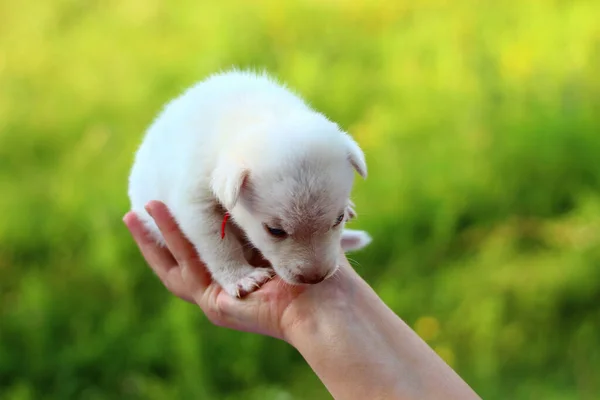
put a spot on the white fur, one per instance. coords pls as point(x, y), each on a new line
point(242, 142)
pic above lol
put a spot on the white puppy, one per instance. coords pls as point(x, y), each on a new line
point(241, 144)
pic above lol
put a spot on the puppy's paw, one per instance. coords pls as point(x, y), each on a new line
point(353, 240)
point(250, 282)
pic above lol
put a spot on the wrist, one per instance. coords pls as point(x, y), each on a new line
point(344, 335)
point(331, 300)
point(361, 349)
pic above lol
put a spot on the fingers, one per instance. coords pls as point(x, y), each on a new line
point(181, 249)
point(158, 258)
point(193, 270)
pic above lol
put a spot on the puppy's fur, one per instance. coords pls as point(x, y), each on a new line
point(240, 142)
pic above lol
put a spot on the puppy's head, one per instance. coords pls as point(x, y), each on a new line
point(291, 196)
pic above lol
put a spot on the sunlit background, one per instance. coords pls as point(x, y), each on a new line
point(481, 125)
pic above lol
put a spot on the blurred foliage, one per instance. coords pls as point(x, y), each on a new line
point(481, 125)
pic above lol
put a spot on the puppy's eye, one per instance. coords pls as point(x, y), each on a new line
point(278, 233)
point(339, 220)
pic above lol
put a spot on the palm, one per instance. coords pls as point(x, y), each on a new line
point(260, 312)
point(180, 269)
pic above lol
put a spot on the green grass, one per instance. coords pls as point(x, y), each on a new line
point(481, 125)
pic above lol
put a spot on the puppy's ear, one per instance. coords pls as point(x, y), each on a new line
point(354, 240)
point(351, 211)
point(357, 158)
point(227, 182)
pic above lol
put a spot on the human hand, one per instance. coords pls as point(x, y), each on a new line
point(356, 345)
point(272, 310)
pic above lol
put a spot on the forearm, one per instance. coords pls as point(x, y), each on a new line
point(361, 350)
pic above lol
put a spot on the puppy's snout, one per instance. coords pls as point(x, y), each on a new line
point(311, 278)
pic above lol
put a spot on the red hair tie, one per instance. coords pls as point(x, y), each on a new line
point(223, 224)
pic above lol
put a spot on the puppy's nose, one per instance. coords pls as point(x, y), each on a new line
point(311, 279)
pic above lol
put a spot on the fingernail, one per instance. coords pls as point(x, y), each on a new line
point(148, 209)
point(126, 220)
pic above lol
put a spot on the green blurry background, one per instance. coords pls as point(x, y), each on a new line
point(481, 125)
